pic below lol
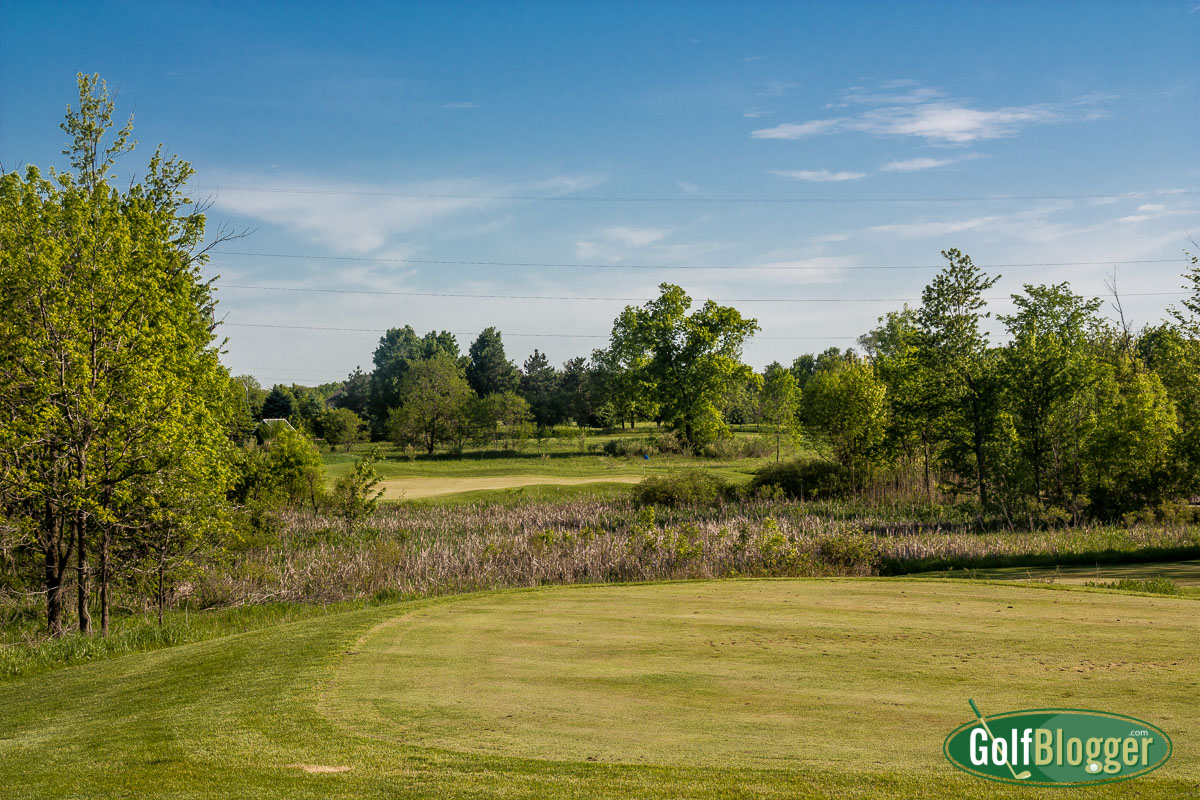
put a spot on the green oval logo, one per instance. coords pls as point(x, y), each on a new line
point(1056, 747)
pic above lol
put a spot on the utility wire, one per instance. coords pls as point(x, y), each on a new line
point(618, 299)
point(692, 200)
point(747, 268)
point(505, 333)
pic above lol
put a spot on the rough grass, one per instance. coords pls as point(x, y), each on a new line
point(797, 689)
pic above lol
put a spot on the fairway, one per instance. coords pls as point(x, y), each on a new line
point(865, 676)
point(416, 488)
point(823, 688)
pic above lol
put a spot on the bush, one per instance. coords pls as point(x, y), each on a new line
point(1147, 585)
point(804, 479)
point(630, 447)
point(691, 488)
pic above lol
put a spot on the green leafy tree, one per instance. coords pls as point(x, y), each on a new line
point(296, 469)
point(109, 371)
point(490, 371)
point(356, 392)
point(914, 393)
point(341, 427)
point(954, 348)
point(435, 400)
point(356, 494)
point(280, 403)
point(847, 404)
point(687, 361)
point(540, 388)
point(1047, 369)
point(502, 419)
point(398, 350)
point(780, 404)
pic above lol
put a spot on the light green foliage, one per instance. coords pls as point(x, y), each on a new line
point(502, 419)
point(687, 361)
point(110, 385)
point(435, 399)
point(341, 427)
point(779, 403)
point(295, 468)
point(355, 494)
point(847, 404)
point(1049, 370)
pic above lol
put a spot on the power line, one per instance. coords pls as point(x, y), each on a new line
point(476, 333)
point(618, 299)
point(746, 268)
point(562, 198)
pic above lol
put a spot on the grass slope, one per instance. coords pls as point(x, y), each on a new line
point(787, 688)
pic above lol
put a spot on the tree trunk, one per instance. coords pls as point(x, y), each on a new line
point(54, 609)
point(161, 594)
point(82, 584)
point(104, 544)
point(928, 485)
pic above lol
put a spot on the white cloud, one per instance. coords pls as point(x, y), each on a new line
point(460, 104)
point(915, 164)
point(1152, 207)
point(688, 187)
point(362, 218)
point(818, 175)
point(798, 130)
point(612, 244)
point(756, 114)
point(934, 229)
point(928, 114)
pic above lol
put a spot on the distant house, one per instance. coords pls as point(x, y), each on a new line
point(335, 400)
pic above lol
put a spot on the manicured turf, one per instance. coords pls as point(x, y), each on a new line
point(1185, 574)
point(417, 488)
point(786, 688)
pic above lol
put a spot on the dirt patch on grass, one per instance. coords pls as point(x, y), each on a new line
point(319, 769)
point(412, 488)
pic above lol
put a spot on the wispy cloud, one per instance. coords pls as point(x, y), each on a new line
point(917, 164)
point(777, 88)
point(756, 114)
point(459, 105)
point(613, 244)
point(927, 113)
point(362, 218)
point(817, 175)
point(798, 130)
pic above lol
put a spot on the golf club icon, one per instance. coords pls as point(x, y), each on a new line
point(1020, 776)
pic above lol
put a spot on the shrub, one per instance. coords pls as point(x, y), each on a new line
point(690, 488)
point(804, 479)
point(1147, 585)
point(630, 447)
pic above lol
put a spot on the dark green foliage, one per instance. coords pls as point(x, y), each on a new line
point(688, 488)
point(804, 479)
point(280, 403)
point(540, 388)
point(490, 371)
point(398, 350)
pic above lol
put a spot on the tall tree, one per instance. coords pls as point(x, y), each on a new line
point(490, 371)
point(434, 402)
point(780, 403)
point(954, 347)
point(687, 360)
point(540, 388)
point(847, 403)
point(110, 371)
point(398, 350)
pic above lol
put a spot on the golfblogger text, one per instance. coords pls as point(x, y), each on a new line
point(1043, 747)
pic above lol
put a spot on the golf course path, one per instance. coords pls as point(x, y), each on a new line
point(414, 488)
point(832, 674)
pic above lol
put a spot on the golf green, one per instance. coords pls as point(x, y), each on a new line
point(854, 675)
point(741, 688)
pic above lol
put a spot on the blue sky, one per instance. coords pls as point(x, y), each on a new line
point(374, 139)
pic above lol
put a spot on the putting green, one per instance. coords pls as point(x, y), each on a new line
point(840, 675)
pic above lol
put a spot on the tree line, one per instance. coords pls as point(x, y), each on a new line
point(127, 449)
